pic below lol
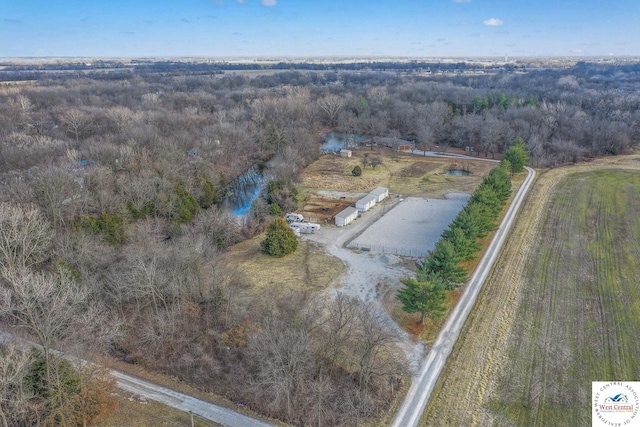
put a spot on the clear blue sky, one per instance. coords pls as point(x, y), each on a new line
point(224, 28)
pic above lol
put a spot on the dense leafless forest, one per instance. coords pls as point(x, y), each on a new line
point(112, 220)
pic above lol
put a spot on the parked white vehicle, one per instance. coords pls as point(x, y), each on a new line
point(305, 227)
point(293, 217)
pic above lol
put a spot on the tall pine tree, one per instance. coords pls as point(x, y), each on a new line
point(424, 297)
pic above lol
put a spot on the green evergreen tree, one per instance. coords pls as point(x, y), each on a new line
point(280, 240)
point(209, 192)
point(363, 105)
point(424, 297)
point(187, 207)
point(499, 180)
point(483, 218)
point(487, 197)
point(275, 210)
point(517, 156)
point(465, 247)
point(467, 223)
point(444, 262)
point(356, 171)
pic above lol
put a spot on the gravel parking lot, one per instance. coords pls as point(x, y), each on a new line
point(412, 227)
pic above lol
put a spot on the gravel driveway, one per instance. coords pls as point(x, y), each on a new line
point(370, 275)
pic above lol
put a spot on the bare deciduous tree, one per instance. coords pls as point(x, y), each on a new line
point(77, 122)
point(48, 307)
point(14, 394)
point(56, 191)
point(331, 106)
point(25, 237)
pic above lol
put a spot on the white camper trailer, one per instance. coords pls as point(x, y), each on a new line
point(304, 227)
point(293, 217)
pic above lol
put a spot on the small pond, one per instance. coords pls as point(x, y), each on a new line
point(457, 172)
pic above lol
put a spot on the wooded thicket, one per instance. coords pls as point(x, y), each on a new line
point(112, 190)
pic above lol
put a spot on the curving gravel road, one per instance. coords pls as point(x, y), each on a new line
point(205, 410)
point(423, 384)
point(200, 408)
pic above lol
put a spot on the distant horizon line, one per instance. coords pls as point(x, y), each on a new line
point(276, 57)
point(279, 58)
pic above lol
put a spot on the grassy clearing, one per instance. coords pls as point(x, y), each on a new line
point(559, 310)
point(307, 269)
point(402, 173)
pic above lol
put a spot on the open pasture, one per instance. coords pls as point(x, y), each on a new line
point(402, 173)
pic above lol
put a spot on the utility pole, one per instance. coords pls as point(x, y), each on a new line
point(191, 413)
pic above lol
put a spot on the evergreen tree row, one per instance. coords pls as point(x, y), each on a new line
point(441, 270)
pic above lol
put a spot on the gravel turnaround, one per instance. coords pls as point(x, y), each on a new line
point(370, 274)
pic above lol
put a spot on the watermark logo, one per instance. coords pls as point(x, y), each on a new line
point(615, 403)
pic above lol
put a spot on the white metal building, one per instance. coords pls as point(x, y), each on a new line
point(366, 203)
point(345, 153)
point(346, 216)
point(381, 193)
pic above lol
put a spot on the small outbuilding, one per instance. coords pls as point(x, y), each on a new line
point(380, 193)
point(366, 203)
point(346, 216)
point(394, 143)
point(345, 153)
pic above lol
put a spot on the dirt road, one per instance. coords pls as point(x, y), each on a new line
point(423, 384)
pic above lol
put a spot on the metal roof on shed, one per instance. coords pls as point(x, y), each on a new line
point(379, 191)
point(367, 199)
point(347, 212)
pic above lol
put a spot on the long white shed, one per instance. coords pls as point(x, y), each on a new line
point(346, 216)
point(366, 203)
point(381, 193)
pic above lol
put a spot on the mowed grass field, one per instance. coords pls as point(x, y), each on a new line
point(561, 309)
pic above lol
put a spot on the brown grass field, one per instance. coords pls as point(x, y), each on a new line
point(402, 173)
point(308, 269)
point(559, 310)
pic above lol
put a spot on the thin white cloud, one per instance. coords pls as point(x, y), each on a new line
point(493, 22)
point(461, 1)
point(241, 1)
point(268, 3)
